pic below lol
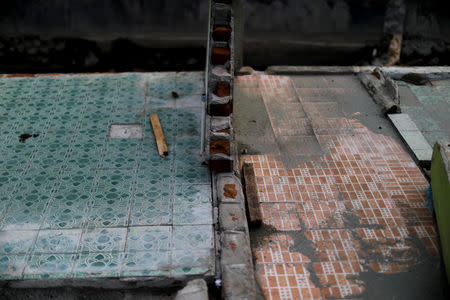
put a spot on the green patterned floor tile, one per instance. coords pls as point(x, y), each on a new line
point(119, 160)
point(103, 240)
point(77, 80)
point(17, 242)
point(14, 162)
point(126, 98)
point(9, 181)
point(67, 211)
point(158, 176)
point(42, 181)
point(145, 193)
point(81, 181)
point(122, 179)
point(97, 265)
point(162, 87)
point(151, 263)
point(192, 175)
point(152, 102)
point(26, 211)
point(80, 160)
point(104, 207)
point(11, 266)
point(47, 161)
point(108, 216)
point(51, 82)
point(187, 262)
point(124, 116)
point(188, 83)
point(192, 213)
point(191, 102)
point(188, 124)
point(154, 213)
point(40, 266)
point(187, 159)
point(149, 238)
point(57, 241)
point(148, 158)
point(192, 237)
point(195, 194)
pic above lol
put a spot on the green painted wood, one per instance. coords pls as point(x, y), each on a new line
point(440, 185)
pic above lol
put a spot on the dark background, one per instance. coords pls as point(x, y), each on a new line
point(150, 35)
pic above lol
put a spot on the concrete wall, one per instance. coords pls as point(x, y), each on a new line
point(302, 32)
point(182, 20)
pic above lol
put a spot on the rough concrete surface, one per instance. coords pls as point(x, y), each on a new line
point(194, 290)
point(76, 294)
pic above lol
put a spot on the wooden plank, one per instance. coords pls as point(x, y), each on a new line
point(159, 136)
point(251, 195)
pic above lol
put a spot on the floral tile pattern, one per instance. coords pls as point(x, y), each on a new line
point(57, 241)
point(103, 240)
point(151, 263)
point(75, 203)
point(17, 242)
point(149, 238)
point(49, 266)
point(101, 264)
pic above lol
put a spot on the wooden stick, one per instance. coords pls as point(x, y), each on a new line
point(159, 136)
point(251, 193)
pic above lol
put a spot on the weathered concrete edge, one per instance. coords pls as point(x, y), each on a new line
point(108, 283)
point(236, 256)
point(422, 163)
point(394, 72)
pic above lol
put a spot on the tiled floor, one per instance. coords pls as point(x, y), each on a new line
point(428, 107)
point(75, 203)
point(339, 201)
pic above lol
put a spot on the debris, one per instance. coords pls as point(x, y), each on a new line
point(159, 136)
point(218, 282)
point(384, 91)
point(25, 136)
point(251, 195)
point(416, 79)
point(175, 95)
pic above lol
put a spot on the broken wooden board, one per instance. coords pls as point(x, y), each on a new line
point(251, 195)
point(159, 136)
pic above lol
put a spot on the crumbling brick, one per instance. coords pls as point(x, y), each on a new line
point(222, 33)
point(220, 56)
point(221, 165)
point(222, 89)
point(219, 147)
point(221, 110)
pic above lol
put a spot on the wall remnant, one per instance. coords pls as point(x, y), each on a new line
point(219, 87)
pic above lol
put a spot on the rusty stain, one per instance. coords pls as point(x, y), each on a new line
point(233, 217)
point(229, 190)
point(19, 75)
point(233, 245)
